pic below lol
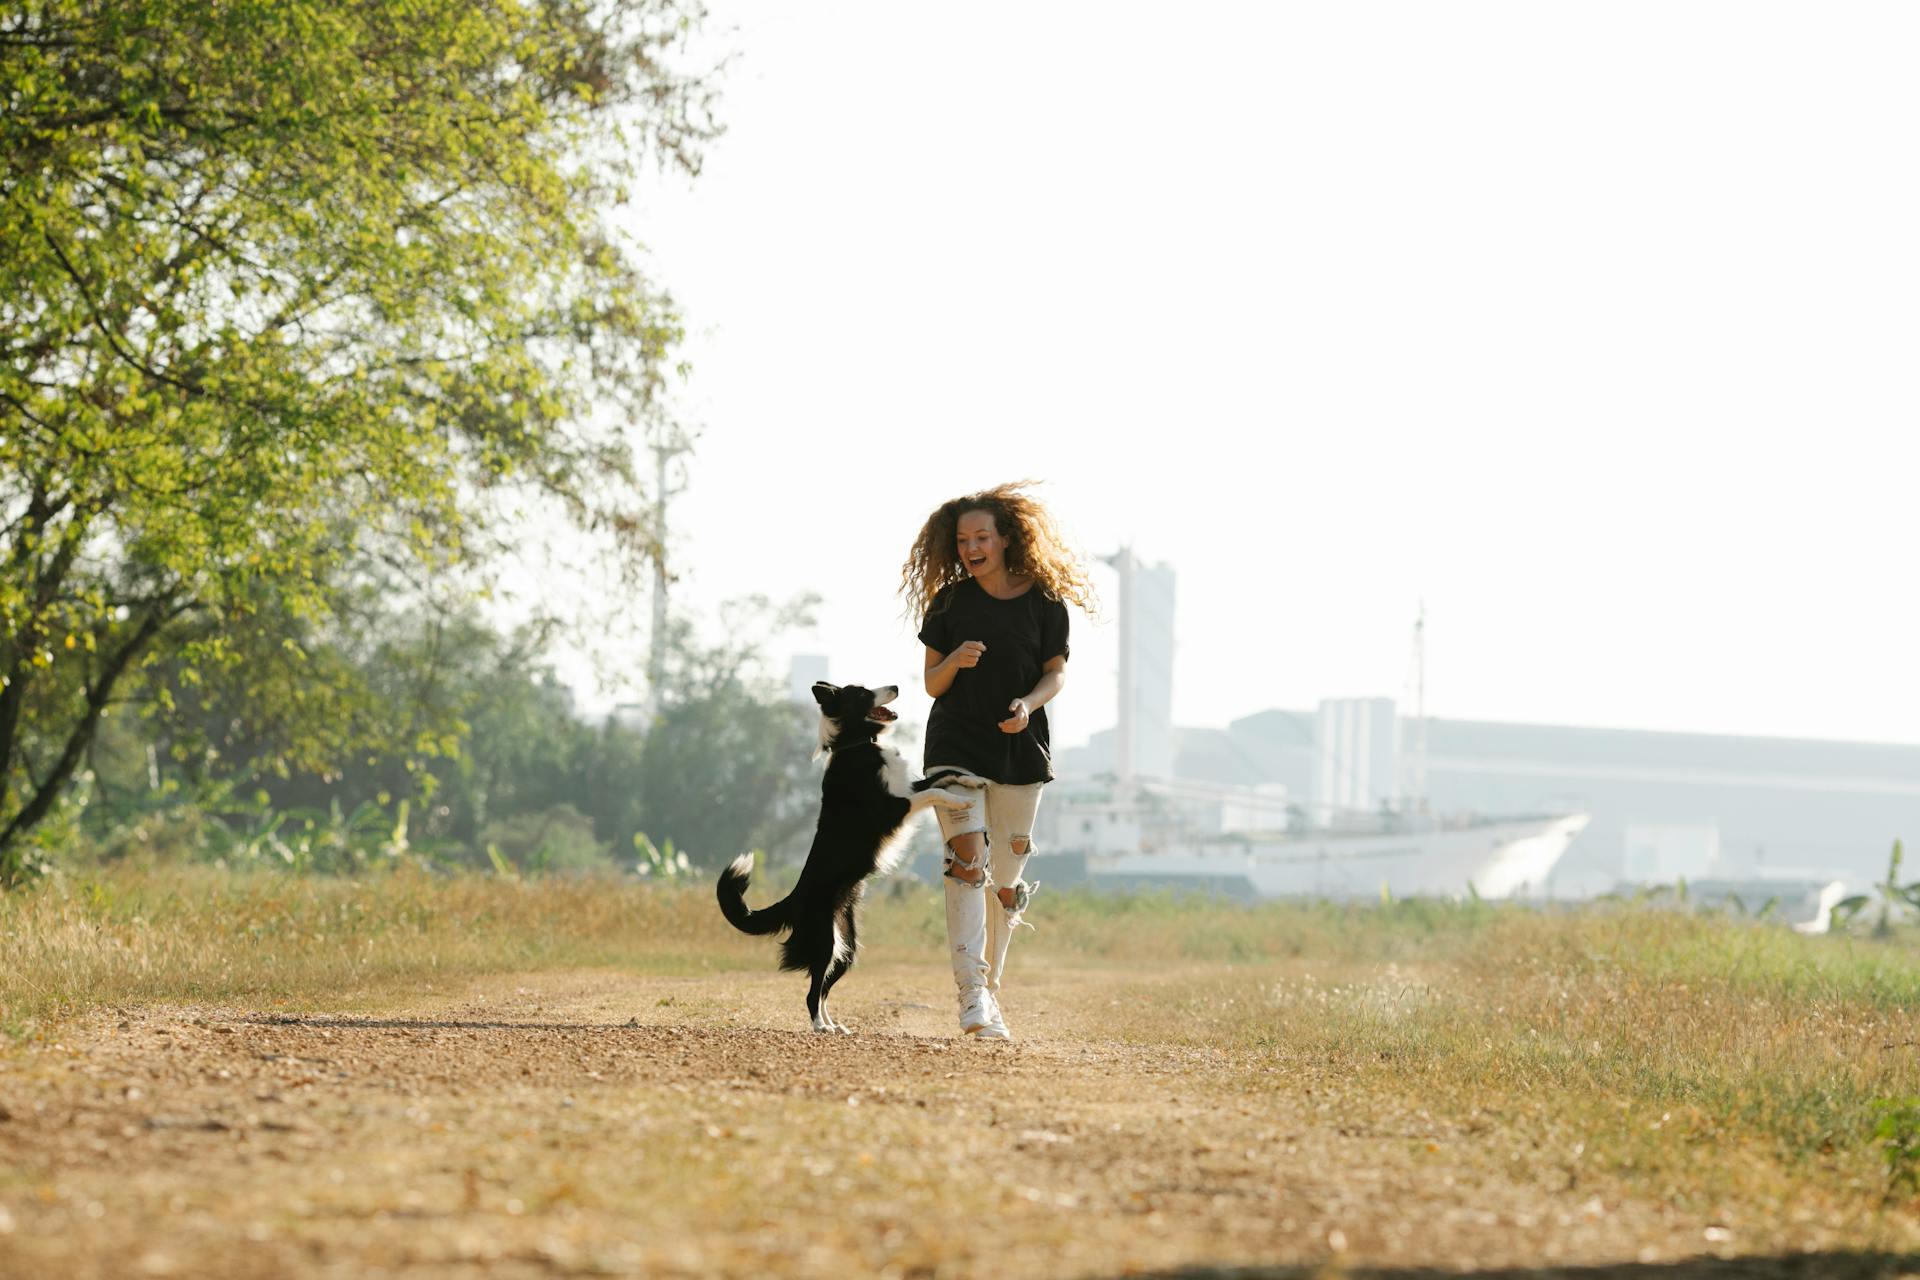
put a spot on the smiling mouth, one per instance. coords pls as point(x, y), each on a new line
point(882, 715)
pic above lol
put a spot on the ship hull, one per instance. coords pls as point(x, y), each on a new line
point(1509, 858)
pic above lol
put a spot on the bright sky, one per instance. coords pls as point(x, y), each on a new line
point(1596, 327)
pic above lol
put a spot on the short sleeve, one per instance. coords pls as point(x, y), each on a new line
point(936, 629)
point(1053, 632)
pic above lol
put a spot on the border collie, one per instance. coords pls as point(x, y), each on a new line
point(865, 804)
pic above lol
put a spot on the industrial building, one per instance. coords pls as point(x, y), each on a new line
point(1664, 806)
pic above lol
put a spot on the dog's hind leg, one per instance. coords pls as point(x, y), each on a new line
point(817, 990)
point(810, 948)
point(845, 944)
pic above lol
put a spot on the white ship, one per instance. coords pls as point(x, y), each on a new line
point(1365, 833)
point(1147, 834)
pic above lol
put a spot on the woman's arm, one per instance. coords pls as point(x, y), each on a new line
point(1053, 678)
point(942, 668)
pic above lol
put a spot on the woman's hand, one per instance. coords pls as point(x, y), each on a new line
point(944, 668)
point(967, 655)
point(1016, 722)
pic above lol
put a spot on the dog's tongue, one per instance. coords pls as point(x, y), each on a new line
point(880, 713)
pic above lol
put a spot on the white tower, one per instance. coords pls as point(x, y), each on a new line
point(1143, 735)
point(1356, 756)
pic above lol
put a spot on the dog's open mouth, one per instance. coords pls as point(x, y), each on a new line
point(883, 715)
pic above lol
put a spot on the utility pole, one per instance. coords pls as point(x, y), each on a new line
point(670, 444)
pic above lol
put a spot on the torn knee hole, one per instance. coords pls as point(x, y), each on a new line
point(958, 859)
point(1014, 899)
point(967, 870)
point(1021, 844)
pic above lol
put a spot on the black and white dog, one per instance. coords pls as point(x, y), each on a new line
point(866, 802)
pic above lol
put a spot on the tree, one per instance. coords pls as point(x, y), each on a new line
point(292, 286)
point(472, 730)
point(439, 708)
point(725, 764)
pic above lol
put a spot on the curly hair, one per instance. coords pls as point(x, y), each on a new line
point(1035, 549)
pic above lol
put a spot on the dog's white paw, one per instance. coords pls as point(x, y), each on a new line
point(948, 800)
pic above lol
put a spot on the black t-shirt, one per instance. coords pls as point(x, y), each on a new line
point(1021, 635)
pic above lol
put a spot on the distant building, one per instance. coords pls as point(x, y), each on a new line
point(1356, 755)
point(1662, 853)
point(1761, 808)
point(1146, 666)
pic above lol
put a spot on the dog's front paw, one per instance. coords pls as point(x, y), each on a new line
point(948, 800)
point(949, 778)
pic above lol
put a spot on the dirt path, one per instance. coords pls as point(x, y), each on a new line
point(610, 1123)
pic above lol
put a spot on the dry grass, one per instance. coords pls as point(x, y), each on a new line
point(1716, 1063)
point(200, 934)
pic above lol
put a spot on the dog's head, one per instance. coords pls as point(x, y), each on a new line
point(851, 713)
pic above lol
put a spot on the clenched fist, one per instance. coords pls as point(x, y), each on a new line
point(967, 655)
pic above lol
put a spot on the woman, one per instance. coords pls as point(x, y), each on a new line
point(990, 578)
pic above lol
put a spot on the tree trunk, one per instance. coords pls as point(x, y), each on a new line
point(16, 651)
point(12, 839)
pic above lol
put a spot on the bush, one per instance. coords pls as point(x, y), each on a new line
point(558, 839)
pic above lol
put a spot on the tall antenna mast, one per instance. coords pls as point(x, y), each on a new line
point(1122, 561)
point(1414, 746)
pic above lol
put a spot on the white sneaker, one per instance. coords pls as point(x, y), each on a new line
point(979, 1014)
point(996, 1029)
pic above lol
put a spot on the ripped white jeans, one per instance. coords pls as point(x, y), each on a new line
point(1002, 810)
point(978, 935)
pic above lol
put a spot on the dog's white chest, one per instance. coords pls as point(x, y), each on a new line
point(893, 774)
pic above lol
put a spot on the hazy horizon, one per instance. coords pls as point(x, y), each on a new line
point(1592, 329)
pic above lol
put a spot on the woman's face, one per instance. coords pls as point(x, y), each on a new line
point(982, 550)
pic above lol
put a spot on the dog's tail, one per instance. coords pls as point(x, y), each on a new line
point(732, 892)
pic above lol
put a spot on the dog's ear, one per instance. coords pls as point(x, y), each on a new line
point(822, 691)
